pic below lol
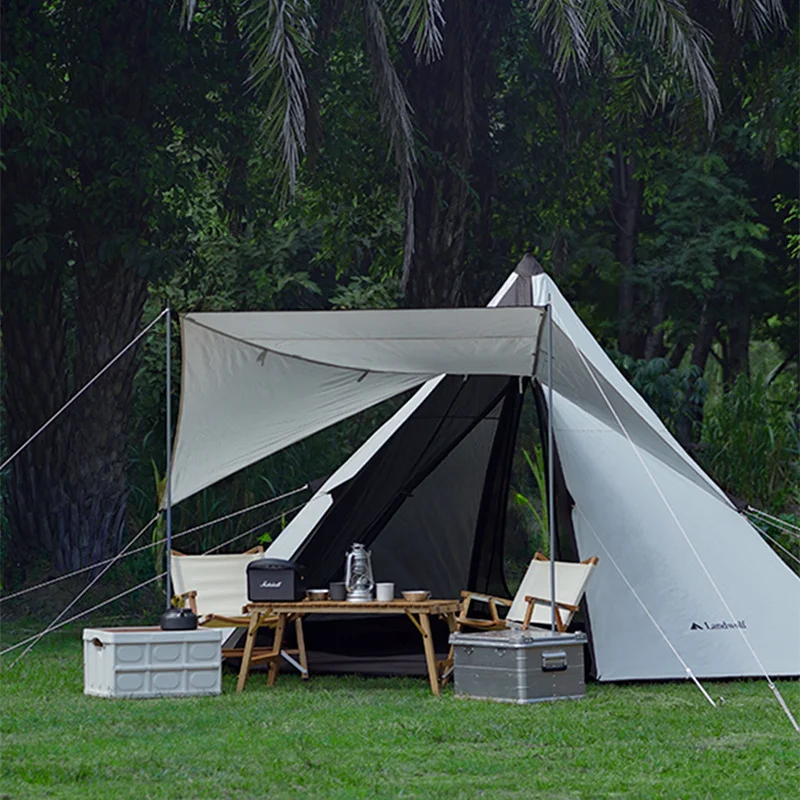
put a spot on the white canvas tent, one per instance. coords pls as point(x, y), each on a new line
point(684, 582)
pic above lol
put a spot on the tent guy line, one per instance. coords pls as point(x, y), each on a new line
point(196, 528)
point(80, 594)
point(787, 527)
point(775, 542)
point(80, 571)
point(703, 566)
point(646, 610)
point(82, 390)
point(61, 624)
point(87, 611)
point(253, 529)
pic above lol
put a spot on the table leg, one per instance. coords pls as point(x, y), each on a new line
point(430, 656)
point(301, 646)
point(252, 630)
point(447, 665)
point(277, 644)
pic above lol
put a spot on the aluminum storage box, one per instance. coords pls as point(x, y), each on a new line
point(274, 580)
point(150, 662)
point(516, 666)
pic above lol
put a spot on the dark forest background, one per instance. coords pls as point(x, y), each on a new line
point(367, 153)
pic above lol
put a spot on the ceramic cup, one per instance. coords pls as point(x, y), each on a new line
point(384, 592)
point(338, 591)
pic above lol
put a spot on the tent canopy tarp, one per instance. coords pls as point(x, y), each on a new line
point(254, 383)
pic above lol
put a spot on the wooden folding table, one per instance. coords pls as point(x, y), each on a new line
point(418, 612)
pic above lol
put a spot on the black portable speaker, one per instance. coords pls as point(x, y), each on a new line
point(274, 579)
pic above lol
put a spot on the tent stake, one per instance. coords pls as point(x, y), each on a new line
point(550, 514)
point(169, 461)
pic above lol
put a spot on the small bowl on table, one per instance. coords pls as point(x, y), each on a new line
point(416, 595)
point(318, 594)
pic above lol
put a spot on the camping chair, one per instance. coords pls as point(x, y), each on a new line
point(532, 603)
point(216, 588)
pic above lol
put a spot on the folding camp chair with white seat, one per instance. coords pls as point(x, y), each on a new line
point(216, 588)
point(532, 603)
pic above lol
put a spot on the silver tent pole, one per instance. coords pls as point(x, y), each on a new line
point(169, 460)
point(550, 510)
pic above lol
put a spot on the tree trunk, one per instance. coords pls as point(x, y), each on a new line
point(737, 360)
point(452, 202)
point(654, 341)
point(704, 338)
point(108, 317)
point(625, 216)
point(35, 387)
point(67, 490)
point(679, 350)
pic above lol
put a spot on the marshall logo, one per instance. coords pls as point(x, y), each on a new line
point(271, 584)
point(719, 626)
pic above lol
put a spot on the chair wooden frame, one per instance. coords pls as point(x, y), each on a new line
point(259, 654)
point(496, 622)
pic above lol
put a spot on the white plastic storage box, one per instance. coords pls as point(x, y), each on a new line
point(516, 666)
point(150, 662)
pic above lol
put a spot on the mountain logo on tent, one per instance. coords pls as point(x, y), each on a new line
point(719, 626)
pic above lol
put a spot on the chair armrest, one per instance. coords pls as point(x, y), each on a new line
point(531, 600)
point(548, 601)
point(491, 600)
point(485, 598)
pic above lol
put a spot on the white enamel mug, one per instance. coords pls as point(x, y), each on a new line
point(384, 592)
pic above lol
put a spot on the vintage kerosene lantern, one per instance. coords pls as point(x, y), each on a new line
point(358, 575)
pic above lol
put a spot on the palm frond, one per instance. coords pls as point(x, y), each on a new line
point(601, 22)
point(668, 25)
point(423, 21)
point(395, 112)
point(279, 33)
point(562, 24)
point(756, 16)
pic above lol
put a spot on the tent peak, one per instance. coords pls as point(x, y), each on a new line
point(528, 267)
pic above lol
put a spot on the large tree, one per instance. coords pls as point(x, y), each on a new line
point(96, 98)
point(438, 107)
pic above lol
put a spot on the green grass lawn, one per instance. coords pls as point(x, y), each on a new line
point(347, 737)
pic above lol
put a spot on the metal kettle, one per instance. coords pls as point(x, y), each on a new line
point(178, 619)
point(358, 574)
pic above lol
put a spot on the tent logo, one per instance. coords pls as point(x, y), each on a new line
point(719, 626)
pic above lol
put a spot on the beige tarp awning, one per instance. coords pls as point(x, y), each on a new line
point(254, 383)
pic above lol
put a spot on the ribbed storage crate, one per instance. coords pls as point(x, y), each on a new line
point(516, 666)
point(150, 662)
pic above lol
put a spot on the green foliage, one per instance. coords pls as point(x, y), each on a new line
point(751, 442)
point(675, 394)
point(707, 240)
point(790, 206)
point(365, 292)
point(537, 508)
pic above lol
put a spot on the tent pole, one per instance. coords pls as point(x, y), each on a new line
point(550, 515)
point(169, 460)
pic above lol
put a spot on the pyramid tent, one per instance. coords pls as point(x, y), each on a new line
point(684, 582)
